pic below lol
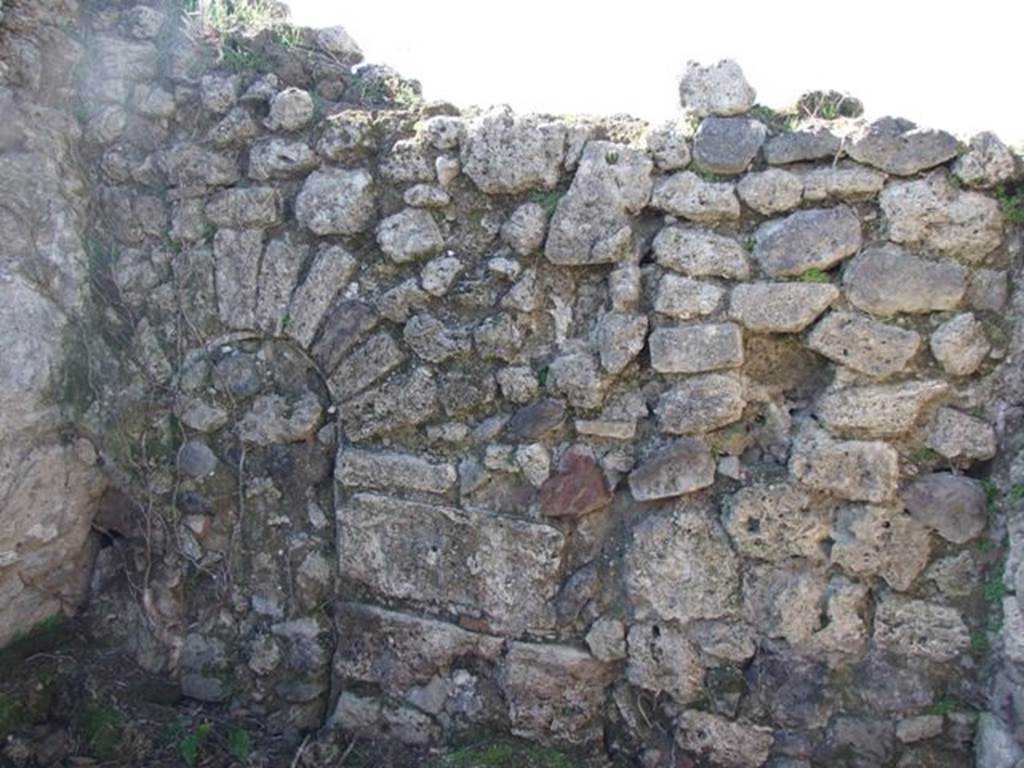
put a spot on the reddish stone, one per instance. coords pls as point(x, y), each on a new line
point(578, 489)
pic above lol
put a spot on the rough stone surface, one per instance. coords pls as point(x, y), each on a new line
point(857, 470)
point(880, 410)
point(722, 741)
point(771, 191)
point(686, 194)
point(684, 298)
point(800, 146)
point(956, 435)
point(701, 404)
point(987, 162)
point(909, 627)
point(663, 660)
point(727, 145)
point(880, 541)
point(953, 506)
point(409, 235)
point(577, 489)
point(887, 280)
point(812, 239)
point(899, 147)
point(696, 348)
point(591, 224)
point(700, 253)
point(845, 182)
point(960, 345)
point(933, 214)
point(679, 567)
point(620, 338)
point(336, 202)
point(717, 89)
point(684, 467)
point(505, 154)
point(779, 307)
point(776, 522)
point(863, 344)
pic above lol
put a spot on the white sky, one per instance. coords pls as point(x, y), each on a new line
point(943, 65)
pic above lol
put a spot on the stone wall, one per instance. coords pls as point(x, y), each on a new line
point(693, 439)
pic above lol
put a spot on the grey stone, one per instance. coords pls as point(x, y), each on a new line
point(668, 146)
point(729, 641)
point(800, 146)
point(878, 410)
point(367, 363)
point(771, 191)
point(336, 202)
point(606, 639)
point(863, 344)
point(726, 743)
point(960, 345)
point(276, 419)
point(888, 684)
point(426, 196)
point(555, 693)
point(237, 255)
point(684, 467)
point(279, 271)
point(887, 280)
point(783, 600)
point(727, 145)
point(995, 745)
point(856, 470)
point(953, 506)
point(576, 376)
point(701, 404)
point(237, 128)
point(338, 43)
point(679, 567)
point(400, 403)
point(844, 633)
point(845, 182)
point(696, 348)
point(331, 270)
point(277, 158)
point(881, 541)
point(716, 89)
point(524, 230)
point(387, 470)
point(201, 416)
point(153, 102)
point(442, 131)
point(498, 338)
point(624, 287)
point(290, 110)
point(501, 569)
point(791, 688)
point(684, 298)
point(347, 324)
point(347, 136)
point(429, 338)
point(518, 384)
point(898, 146)
point(987, 162)
point(620, 337)
point(409, 235)
point(438, 274)
point(780, 307)
point(407, 163)
point(989, 289)
point(447, 170)
point(933, 214)
point(204, 667)
point(700, 253)
point(661, 659)
point(195, 459)
point(913, 729)
point(217, 93)
point(776, 522)
point(812, 239)
point(916, 628)
point(868, 741)
point(506, 154)
point(592, 223)
point(686, 194)
point(242, 208)
point(192, 169)
point(956, 435)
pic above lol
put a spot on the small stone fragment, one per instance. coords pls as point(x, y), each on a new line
point(772, 191)
point(686, 194)
point(195, 459)
point(851, 183)
point(696, 348)
point(662, 659)
point(726, 743)
point(910, 730)
point(439, 274)
point(887, 280)
point(290, 110)
point(919, 629)
point(524, 230)
point(863, 344)
point(884, 541)
point(518, 384)
point(812, 239)
point(577, 377)
point(727, 145)
point(685, 466)
point(956, 435)
point(780, 307)
point(667, 144)
point(960, 345)
point(800, 146)
point(536, 420)
point(620, 338)
point(954, 506)
point(716, 89)
point(898, 146)
point(776, 522)
point(701, 404)
point(388, 469)
point(280, 159)
point(700, 253)
point(606, 639)
point(507, 154)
